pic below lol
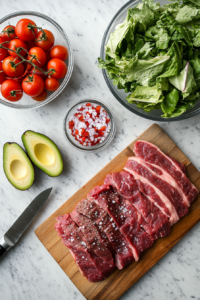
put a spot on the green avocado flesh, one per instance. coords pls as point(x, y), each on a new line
point(17, 166)
point(43, 152)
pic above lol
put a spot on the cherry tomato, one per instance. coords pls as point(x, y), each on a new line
point(10, 68)
point(37, 56)
point(33, 85)
point(9, 33)
point(60, 52)
point(11, 90)
point(14, 45)
point(45, 39)
point(2, 74)
point(41, 97)
point(3, 52)
point(25, 30)
point(51, 84)
point(59, 68)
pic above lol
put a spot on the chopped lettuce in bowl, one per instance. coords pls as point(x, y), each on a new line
point(154, 56)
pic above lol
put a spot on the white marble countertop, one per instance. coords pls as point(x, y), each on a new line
point(28, 271)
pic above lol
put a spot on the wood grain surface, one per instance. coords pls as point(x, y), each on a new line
point(120, 281)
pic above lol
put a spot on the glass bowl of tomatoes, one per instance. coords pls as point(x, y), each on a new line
point(89, 126)
point(36, 60)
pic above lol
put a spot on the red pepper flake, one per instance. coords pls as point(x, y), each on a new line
point(98, 109)
point(90, 125)
point(71, 124)
point(86, 133)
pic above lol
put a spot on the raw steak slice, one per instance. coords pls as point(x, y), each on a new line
point(178, 164)
point(170, 196)
point(125, 185)
point(75, 241)
point(166, 177)
point(92, 236)
point(106, 225)
point(127, 222)
point(154, 155)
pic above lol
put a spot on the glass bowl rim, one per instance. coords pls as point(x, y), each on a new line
point(110, 86)
point(70, 59)
point(110, 136)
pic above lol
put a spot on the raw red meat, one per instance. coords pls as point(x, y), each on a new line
point(166, 177)
point(167, 193)
point(125, 185)
point(127, 222)
point(75, 241)
point(123, 253)
point(152, 154)
point(92, 236)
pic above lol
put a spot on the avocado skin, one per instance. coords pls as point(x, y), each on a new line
point(41, 134)
point(10, 143)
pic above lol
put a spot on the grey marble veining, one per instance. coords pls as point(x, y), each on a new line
point(28, 271)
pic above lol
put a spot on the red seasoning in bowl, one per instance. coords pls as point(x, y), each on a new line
point(90, 125)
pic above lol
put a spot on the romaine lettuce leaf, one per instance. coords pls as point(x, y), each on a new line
point(181, 109)
point(117, 36)
point(146, 71)
point(187, 14)
point(196, 36)
point(160, 35)
point(108, 65)
point(195, 63)
point(144, 52)
point(168, 22)
point(150, 3)
point(174, 65)
point(169, 103)
point(125, 66)
point(150, 95)
point(184, 81)
point(143, 16)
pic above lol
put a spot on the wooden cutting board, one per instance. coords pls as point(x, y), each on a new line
point(120, 281)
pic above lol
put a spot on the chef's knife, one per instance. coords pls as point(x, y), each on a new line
point(17, 229)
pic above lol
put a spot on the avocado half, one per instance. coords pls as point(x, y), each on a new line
point(43, 152)
point(17, 167)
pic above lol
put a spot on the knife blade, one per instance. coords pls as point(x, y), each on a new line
point(13, 234)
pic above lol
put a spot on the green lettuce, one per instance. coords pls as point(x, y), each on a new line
point(160, 35)
point(181, 109)
point(150, 95)
point(143, 16)
point(174, 65)
point(169, 103)
point(154, 56)
point(187, 14)
point(146, 71)
point(184, 81)
point(116, 37)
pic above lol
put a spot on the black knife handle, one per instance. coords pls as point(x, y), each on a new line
point(2, 250)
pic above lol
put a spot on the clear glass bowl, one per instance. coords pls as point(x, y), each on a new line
point(60, 39)
point(75, 143)
point(120, 95)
